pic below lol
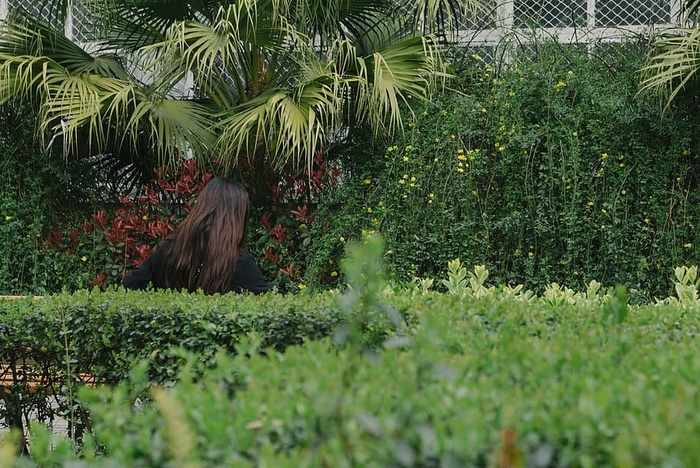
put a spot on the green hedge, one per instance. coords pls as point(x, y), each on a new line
point(489, 377)
point(106, 334)
point(548, 168)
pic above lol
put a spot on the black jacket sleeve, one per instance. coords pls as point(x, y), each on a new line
point(248, 276)
point(142, 276)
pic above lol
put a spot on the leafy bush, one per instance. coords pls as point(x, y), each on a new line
point(34, 190)
point(69, 339)
point(485, 378)
point(101, 250)
point(548, 169)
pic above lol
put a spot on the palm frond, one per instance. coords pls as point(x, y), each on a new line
point(439, 16)
point(32, 37)
point(408, 68)
point(674, 65)
point(287, 124)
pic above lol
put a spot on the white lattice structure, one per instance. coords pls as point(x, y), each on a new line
point(571, 21)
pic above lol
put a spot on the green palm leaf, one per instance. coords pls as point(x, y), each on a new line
point(674, 65)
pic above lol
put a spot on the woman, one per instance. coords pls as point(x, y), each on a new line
point(207, 250)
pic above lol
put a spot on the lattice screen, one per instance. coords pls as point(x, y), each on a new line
point(599, 18)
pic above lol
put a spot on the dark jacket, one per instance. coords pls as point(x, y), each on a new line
point(248, 276)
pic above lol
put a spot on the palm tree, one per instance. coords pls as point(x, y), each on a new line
point(674, 61)
point(275, 79)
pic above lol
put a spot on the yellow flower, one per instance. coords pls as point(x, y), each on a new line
point(342, 239)
point(459, 169)
point(405, 176)
point(575, 134)
point(83, 258)
point(560, 84)
point(367, 181)
point(409, 148)
point(604, 156)
point(334, 273)
point(688, 245)
point(302, 286)
point(405, 158)
point(401, 181)
point(624, 192)
point(144, 217)
point(369, 210)
point(530, 254)
point(603, 210)
point(8, 218)
point(646, 220)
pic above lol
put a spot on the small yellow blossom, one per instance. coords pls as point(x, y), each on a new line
point(367, 181)
point(8, 218)
point(342, 239)
point(624, 192)
point(402, 181)
point(413, 179)
point(369, 210)
point(530, 254)
point(83, 258)
point(302, 286)
point(405, 158)
point(334, 273)
point(646, 220)
point(144, 217)
point(688, 245)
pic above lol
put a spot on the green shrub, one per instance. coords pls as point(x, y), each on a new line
point(68, 338)
point(547, 169)
point(484, 379)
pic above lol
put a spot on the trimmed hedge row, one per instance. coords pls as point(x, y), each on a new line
point(504, 379)
point(47, 344)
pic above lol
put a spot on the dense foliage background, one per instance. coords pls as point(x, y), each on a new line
point(550, 168)
point(547, 167)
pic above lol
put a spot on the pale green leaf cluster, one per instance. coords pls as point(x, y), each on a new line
point(276, 79)
point(674, 61)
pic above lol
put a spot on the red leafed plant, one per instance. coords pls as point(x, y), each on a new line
point(285, 202)
point(101, 250)
point(109, 245)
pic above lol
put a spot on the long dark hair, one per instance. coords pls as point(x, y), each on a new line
point(203, 251)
